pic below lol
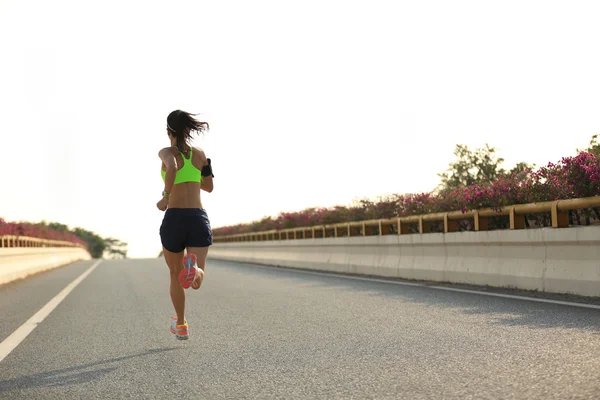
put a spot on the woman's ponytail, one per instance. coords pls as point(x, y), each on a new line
point(181, 124)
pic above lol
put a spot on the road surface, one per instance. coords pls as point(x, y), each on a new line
point(266, 333)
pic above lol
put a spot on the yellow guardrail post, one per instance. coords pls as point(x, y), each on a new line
point(424, 226)
point(516, 221)
point(402, 227)
point(449, 225)
point(480, 222)
point(560, 219)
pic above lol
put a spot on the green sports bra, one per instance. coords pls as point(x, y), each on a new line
point(188, 173)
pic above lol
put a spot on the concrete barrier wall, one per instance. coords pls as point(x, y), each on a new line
point(565, 260)
point(20, 262)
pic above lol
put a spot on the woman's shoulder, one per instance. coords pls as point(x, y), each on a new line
point(199, 153)
point(199, 150)
point(166, 151)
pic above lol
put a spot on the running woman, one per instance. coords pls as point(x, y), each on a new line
point(185, 226)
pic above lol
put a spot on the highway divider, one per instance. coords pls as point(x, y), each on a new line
point(21, 257)
point(552, 260)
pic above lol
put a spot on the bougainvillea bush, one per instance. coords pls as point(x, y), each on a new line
point(37, 231)
point(571, 177)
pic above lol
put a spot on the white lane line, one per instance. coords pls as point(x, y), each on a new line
point(508, 296)
point(11, 342)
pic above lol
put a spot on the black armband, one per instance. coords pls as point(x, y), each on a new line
point(207, 169)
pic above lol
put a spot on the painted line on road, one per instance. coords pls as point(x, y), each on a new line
point(508, 296)
point(11, 342)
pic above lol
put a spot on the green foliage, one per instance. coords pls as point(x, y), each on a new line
point(481, 165)
point(115, 248)
point(58, 227)
point(98, 246)
point(521, 167)
point(594, 147)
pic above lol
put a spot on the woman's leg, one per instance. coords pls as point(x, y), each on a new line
point(201, 253)
point(175, 263)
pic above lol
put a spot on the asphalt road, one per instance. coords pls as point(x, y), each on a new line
point(263, 333)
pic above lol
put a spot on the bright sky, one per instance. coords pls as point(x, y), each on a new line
point(310, 103)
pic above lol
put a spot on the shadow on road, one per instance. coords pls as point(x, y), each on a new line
point(506, 311)
point(70, 376)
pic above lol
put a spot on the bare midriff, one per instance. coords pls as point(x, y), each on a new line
point(185, 195)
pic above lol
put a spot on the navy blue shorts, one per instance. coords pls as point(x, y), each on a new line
point(185, 227)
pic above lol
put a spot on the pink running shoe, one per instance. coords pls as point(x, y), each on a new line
point(180, 331)
point(189, 272)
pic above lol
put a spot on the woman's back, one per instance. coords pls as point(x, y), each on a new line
point(188, 179)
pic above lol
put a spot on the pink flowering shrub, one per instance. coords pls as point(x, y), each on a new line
point(582, 175)
point(37, 231)
point(571, 177)
point(415, 204)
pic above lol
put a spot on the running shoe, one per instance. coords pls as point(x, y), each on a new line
point(189, 272)
point(180, 331)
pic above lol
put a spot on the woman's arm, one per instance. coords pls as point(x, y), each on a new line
point(170, 162)
point(207, 183)
point(207, 175)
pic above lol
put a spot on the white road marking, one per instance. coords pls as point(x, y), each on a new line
point(11, 342)
point(508, 296)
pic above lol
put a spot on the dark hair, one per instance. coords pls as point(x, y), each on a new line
point(181, 125)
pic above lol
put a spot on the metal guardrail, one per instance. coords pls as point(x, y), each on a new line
point(559, 211)
point(26, 241)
